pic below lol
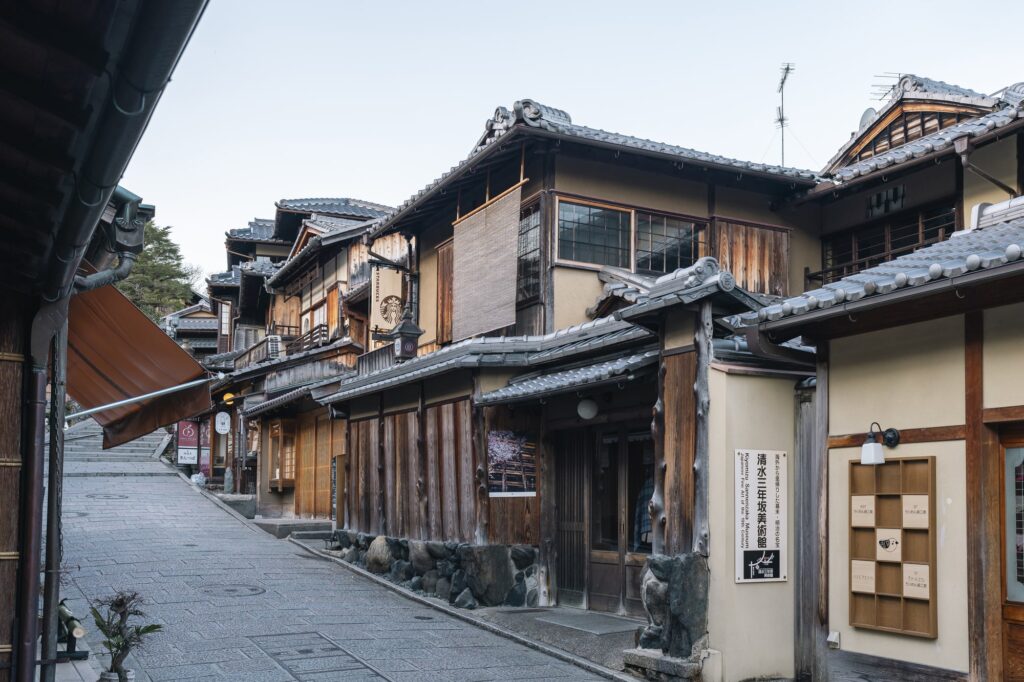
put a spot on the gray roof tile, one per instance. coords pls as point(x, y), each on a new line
point(336, 206)
point(621, 368)
point(232, 277)
point(259, 229)
point(982, 248)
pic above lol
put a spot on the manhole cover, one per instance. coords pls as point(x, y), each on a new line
point(311, 655)
point(107, 496)
point(73, 514)
point(423, 617)
point(190, 544)
point(231, 590)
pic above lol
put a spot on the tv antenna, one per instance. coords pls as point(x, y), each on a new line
point(780, 119)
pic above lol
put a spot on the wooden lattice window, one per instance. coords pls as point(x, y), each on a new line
point(528, 263)
point(854, 250)
point(281, 453)
point(445, 291)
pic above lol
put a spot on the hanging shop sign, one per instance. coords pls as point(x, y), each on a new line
point(511, 464)
point(222, 423)
point(188, 442)
point(761, 539)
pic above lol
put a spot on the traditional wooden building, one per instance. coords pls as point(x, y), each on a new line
point(194, 328)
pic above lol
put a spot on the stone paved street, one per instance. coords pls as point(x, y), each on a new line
point(236, 604)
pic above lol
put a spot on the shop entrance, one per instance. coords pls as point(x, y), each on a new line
point(1012, 503)
point(605, 478)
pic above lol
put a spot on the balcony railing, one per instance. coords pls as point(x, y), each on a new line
point(285, 331)
point(315, 337)
point(268, 348)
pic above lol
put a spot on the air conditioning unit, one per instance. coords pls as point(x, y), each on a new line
point(275, 349)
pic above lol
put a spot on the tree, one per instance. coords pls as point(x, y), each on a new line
point(161, 282)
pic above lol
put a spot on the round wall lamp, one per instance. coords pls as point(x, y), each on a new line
point(871, 452)
point(586, 409)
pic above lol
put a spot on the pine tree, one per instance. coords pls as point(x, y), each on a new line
point(160, 282)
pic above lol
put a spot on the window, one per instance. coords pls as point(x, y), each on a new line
point(528, 274)
point(593, 234)
point(641, 241)
point(445, 291)
point(664, 243)
point(865, 247)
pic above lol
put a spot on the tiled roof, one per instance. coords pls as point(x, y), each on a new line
point(337, 206)
point(917, 85)
point(230, 278)
point(258, 267)
point(287, 397)
point(528, 114)
point(619, 285)
point(202, 343)
point(497, 351)
point(937, 141)
point(259, 229)
point(688, 285)
point(222, 361)
point(983, 248)
point(200, 323)
point(614, 370)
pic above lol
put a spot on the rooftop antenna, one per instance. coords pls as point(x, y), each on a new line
point(780, 119)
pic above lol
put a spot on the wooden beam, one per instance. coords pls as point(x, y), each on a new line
point(702, 400)
point(996, 415)
point(805, 536)
point(930, 434)
point(817, 575)
point(848, 666)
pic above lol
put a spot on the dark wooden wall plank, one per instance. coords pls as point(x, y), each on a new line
point(464, 454)
point(374, 471)
point(449, 472)
point(431, 440)
point(680, 442)
point(390, 521)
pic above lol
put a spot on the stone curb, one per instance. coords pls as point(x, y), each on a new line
point(464, 616)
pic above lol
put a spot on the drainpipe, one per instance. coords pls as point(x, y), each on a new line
point(49, 318)
point(100, 279)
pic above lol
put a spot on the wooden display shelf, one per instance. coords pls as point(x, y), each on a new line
point(892, 549)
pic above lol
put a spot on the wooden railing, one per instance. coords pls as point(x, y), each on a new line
point(315, 337)
point(287, 332)
point(258, 352)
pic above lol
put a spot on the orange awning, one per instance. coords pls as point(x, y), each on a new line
point(116, 352)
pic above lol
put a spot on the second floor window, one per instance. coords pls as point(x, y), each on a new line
point(528, 275)
point(641, 241)
point(864, 247)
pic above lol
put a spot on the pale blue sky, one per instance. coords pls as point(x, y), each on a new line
point(374, 100)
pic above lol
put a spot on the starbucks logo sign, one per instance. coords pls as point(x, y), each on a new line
point(391, 309)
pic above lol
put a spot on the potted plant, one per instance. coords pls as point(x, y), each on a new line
point(120, 637)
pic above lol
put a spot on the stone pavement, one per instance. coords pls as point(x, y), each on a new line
point(236, 604)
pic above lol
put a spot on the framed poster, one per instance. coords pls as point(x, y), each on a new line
point(761, 532)
point(511, 464)
point(188, 442)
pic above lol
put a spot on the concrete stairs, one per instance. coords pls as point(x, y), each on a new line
point(83, 442)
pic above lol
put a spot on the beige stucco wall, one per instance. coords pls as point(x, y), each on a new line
point(1003, 359)
point(950, 649)
point(751, 624)
point(575, 290)
point(615, 183)
point(804, 252)
point(998, 159)
point(680, 326)
point(428, 296)
point(905, 377)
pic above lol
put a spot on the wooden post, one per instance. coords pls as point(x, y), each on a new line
point(421, 478)
point(701, 533)
point(656, 507)
point(483, 502)
point(816, 580)
point(805, 604)
point(382, 519)
point(547, 578)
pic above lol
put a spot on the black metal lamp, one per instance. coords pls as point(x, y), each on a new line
point(406, 335)
point(871, 452)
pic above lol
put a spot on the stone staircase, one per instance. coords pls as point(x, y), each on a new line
point(83, 442)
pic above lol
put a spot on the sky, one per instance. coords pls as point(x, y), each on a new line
point(373, 100)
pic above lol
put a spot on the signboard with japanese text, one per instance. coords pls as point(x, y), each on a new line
point(761, 536)
point(222, 422)
point(188, 442)
point(204, 447)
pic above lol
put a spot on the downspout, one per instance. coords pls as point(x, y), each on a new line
point(50, 318)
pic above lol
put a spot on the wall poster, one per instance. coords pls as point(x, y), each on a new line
point(761, 535)
point(511, 464)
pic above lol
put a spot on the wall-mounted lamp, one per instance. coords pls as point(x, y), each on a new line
point(871, 452)
point(228, 399)
point(587, 409)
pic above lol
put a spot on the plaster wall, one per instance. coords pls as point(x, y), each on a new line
point(1003, 358)
point(950, 649)
point(680, 326)
point(903, 377)
point(615, 183)
point(575, 290)
point(428, 296)
point(998, 159)
point(750, 624)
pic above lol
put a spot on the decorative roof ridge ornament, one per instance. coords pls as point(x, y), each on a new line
point(704, 269)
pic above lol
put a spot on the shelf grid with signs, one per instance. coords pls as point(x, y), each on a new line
point(892, 546)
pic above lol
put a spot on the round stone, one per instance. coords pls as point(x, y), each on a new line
point(934, 271)
point(900, 279)
point(1013, 252)
point(973, 261)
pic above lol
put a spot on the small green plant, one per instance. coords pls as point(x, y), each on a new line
point(120, 636)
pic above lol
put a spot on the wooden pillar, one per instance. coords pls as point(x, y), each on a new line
point(805, 603)
point(547, 579)
point(656, 507)
point(483, 500)
point(705, 331)
point(421, 480)
point(816, 579)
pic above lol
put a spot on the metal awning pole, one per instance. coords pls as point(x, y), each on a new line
point(147, 396)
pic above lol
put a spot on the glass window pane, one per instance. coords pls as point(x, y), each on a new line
point(1014, 525)
point(641, 489)
point(591, 234)
point(664, 243)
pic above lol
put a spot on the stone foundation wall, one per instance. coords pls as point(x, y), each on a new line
point(464, 575)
